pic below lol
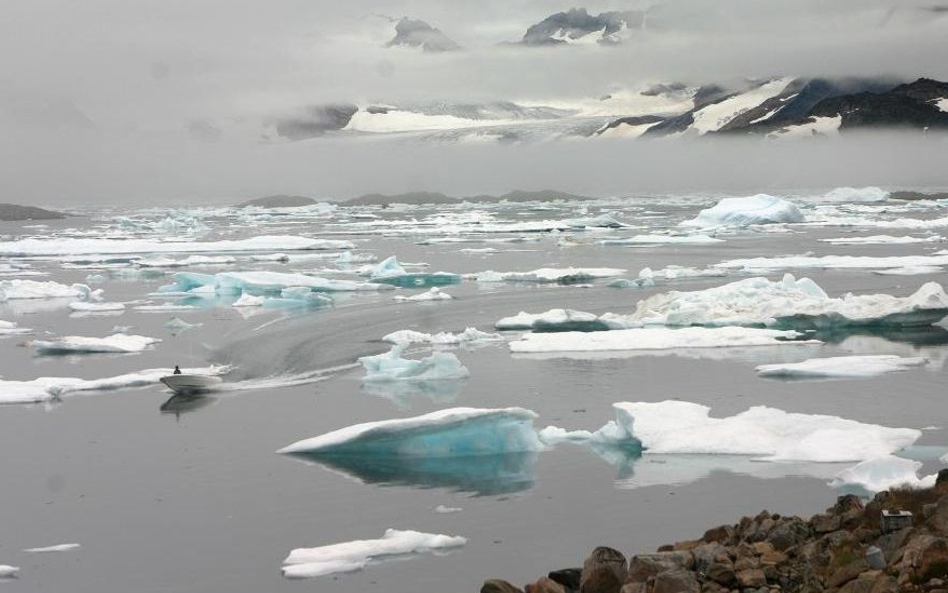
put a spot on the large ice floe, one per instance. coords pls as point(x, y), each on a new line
point(433, 294)
point(655, 338)
point(390, 366)
point(843, 262)
point(353, 556)
point(883, 240)
point(191, 260)
point(82, 246)
point(554, 320)
point(56, 548)
point(33, 289)
point(468, 337)
point(116, 344)
point(263, 283)
point(743, 212)
point(768, 434)
point(555, 275)
point(790, 303)
point(50, 388)
point(883, 473)
point(841, 367)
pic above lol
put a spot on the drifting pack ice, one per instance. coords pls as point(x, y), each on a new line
point(743, 212)
point(390, 366)
point(32, 289)
point(355, 555)
point(82, 246)
point(446, 433)
point(769, 434)
point(790, 303)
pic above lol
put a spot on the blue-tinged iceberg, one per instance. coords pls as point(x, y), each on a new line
point(390, 366)
point(389, 271)
point(263, 283)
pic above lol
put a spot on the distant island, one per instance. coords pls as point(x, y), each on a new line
point(278, 201)
point(10, 212)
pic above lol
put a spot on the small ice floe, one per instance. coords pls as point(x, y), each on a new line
point(9, 328)
point(248, 300)
point(390, 366)
point(9, 572)
point(827, 262)
point(662, 240)
point(165, 308)
point(34, 289)
point(192, 260)
point(49, 388)
point(655, 338)
point(479, 250)
point(304, 563)
point(433, 294)
point(768, 434)
point(790, 303)
point(274, 257)
point(90, 307)
point(553, 275)
point(910, 271)
point(841, 367)
point(115, 344)
point(452, 432)
point(555, 320)
point(883, 473)
point(82, 246)
point(469, 336)
point(883, 240)
point(176, 325)
point(389, 271)
point(743, 212)
point(677, 272)
point(263, 282)
point(56, 548)
point(443, 510)
point(95, 278)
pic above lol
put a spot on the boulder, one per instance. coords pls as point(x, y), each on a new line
point(790, 532)
point(604, 571)
point(499, 586)
point(568, 577)
point(939, 516)
point(707, 554)
point(825, 523)
point(676, 581)
point(545, 585)
point(644, 566)
point(721, 573)
point(932, 561)
point(722, 534)
point(751, 577)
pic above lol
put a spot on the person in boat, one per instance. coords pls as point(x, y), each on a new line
point(177, 371)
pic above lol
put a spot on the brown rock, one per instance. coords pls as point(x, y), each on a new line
point(752, 577)
point(761, 548)
point(891, 543)
point(848, 572)
point(746, 563)
point(644, 566)
point(939, 517)
point(544, 585)
point(825, 523)
point(634, 588)
point(721, 573)
point(773, 558)
point(707, 554)
point(885, 584)
point(568, 577)
point(721, 534)
point(932, 561)
point(499, 586)
point(861, 584)
point(604, 571)
point(790, 532)
point(676, 581)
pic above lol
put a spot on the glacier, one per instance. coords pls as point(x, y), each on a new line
point(743, 212)
point(790, 303)
point(841, 367)
point(116, 344)
point(453, 432)
point(883, 473)
point(84, 246)
point(390, 366)
point(470, 336)
point(656, 338)
point(768, 434)
point(356, 555)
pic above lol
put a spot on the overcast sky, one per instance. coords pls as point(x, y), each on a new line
point(128, 101)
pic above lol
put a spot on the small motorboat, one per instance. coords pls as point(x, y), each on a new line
point(190, 384)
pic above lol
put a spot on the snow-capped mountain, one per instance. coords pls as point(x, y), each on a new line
point(418, 33)
point(577, 26)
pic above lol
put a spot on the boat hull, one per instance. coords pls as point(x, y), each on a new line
point(191, 383)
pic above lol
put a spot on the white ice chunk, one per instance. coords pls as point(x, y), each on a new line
point(117, 343)
point(743, 212)
point(390, 366)
point(87, 307)
point(433, 294)
point(910, 271)
point(884, 473)
point(841, 367)
point(856, 194)
point(469, 336)
point(445, 433)
point(790, 302)
point(33, 289)
point(9, 328)
point(556, 320)
point(386, 268)
point(883, 240)
point(561, 275)
point(56, 548)
point(191, 260)
point(248, 300)
point(827, 262)
point(265, 282)
point(677, 427)
point(654, 338)
point(80, 246)
point(8, 572)
point(355, 555)
point(662, 240)
point(445, 510)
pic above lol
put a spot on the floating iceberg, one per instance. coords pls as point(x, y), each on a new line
point(50, 388)
point(841, 367)
point(8, 572)
point(117, 343)
point(655, 338)
point(56, 548)
point(454, 432)
point(883, 240)
point(910, 271)
point(83, 246)
point(390, 366)
point(33, 289)
point(9, 328)
point(263, 282)
point(770, 434)
point(434, 294)
point(662, 240)
point(352, 556)
point(790, 303)
point(387, 267)
point(444, 510)
point(743, 212)
point(554, 320)
point(558, 275)
point(275, 257)
point(883, 473)
point(469, 336)
point(87, 307)
point(764, 264)
point(192, 260)
point(676, 272)
point(856, 194)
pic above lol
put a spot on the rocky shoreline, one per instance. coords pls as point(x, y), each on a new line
point(849, 548)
